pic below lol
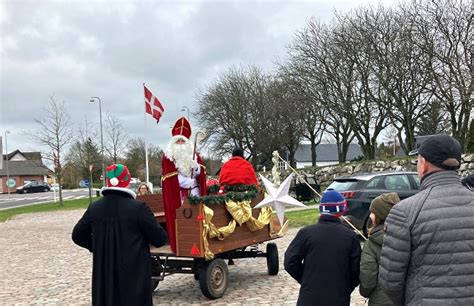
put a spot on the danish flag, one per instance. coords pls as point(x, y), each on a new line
point(153, 105)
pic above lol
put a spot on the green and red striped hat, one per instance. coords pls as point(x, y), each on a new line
point(117, 175)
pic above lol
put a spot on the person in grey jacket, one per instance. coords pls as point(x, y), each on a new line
point(428, 250)
point(369, 261)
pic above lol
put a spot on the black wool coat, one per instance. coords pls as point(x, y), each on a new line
point(118, 230)
point(324, 258)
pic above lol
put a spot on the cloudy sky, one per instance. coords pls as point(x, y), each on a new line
point(73, 50)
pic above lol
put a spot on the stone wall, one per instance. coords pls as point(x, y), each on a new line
point(325, 175)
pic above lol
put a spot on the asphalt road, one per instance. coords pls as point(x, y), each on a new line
point(17, 200)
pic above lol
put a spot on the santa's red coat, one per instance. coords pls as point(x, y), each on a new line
point(172, 195)
point(237, 171)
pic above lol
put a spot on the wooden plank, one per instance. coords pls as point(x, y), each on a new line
point(188, 230)
point(154, 201)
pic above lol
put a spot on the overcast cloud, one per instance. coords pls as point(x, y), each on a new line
point(78, 49)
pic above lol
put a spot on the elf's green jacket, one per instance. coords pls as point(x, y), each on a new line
point(369, 269)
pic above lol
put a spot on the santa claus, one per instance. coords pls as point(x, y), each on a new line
point(182, 174)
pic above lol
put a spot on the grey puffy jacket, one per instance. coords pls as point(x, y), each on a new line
point(428, 251)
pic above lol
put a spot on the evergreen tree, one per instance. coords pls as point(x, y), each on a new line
point(435, 120)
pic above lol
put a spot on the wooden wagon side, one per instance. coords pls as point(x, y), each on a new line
point(190, 236)
point(193, 244)
point(190, 240)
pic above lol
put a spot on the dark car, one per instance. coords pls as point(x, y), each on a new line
point(301, 191)
point(33, 186)
point(361, 189)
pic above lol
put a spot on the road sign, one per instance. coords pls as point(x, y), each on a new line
point(84, 183)
point(11, 183)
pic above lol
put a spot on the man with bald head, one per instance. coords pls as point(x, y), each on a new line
point(428, 250)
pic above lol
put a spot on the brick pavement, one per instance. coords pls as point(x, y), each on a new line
point(40, 265)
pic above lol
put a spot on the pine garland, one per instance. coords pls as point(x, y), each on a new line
point(213, 189)
point(236, 193)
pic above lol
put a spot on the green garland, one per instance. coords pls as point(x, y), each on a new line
point(236, 193)
point(213, 189)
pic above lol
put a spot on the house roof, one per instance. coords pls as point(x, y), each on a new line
point(24, 167)
point(325, 152)
point(27, 155)
point(32, 164)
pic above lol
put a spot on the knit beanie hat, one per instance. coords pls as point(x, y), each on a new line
point(382, 204)
point(332, 203)
point(117, 175)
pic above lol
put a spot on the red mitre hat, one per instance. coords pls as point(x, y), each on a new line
point(182, 127)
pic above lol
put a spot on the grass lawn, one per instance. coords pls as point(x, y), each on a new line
point(50, 206)
point(299, 218)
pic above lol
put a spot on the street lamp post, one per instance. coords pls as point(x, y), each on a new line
point(6, 160)
point(185, 108)
point(101, 139)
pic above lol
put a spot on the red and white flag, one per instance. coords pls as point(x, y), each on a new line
point(153, 105)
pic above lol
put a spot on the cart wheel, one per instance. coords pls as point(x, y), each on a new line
point(272, 259)
point(213, 279)
point(155, 271)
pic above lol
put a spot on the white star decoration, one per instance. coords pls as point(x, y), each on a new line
point(279, 198)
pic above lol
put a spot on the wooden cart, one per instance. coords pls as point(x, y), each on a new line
point(193, 247)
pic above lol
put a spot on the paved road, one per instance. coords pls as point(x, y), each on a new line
point(40, 265)
point(16, 200)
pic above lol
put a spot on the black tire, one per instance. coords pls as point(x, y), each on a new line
point(46, 190)
point(156, 269)
point(196, 275)
point(272, 259)
point(25, 191)
point(214, 278)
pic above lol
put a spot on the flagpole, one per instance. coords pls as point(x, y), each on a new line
point(146, 146)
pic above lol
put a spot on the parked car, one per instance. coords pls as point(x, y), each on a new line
point(361, 189)
point(33, 186)
point(300, 191)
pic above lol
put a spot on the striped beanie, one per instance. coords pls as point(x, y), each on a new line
point(117, 175)
point(332, 203)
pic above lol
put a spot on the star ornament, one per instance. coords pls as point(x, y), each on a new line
point(278, 198)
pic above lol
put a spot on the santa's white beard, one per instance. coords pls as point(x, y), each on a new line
point(181, 155)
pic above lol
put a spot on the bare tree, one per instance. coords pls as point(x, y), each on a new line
point(309, 107)
point(115, 137)
point(444, 33)
point(236, 111)
point(288, 112)
point(84, 152)
point(55, 132)
point(327, 79)
point(135, 159)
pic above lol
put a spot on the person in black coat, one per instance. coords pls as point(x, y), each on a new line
point(118, 230)
point(324, 258)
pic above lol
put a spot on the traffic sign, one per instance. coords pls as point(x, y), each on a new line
point(11, 183)
point(84, 183)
